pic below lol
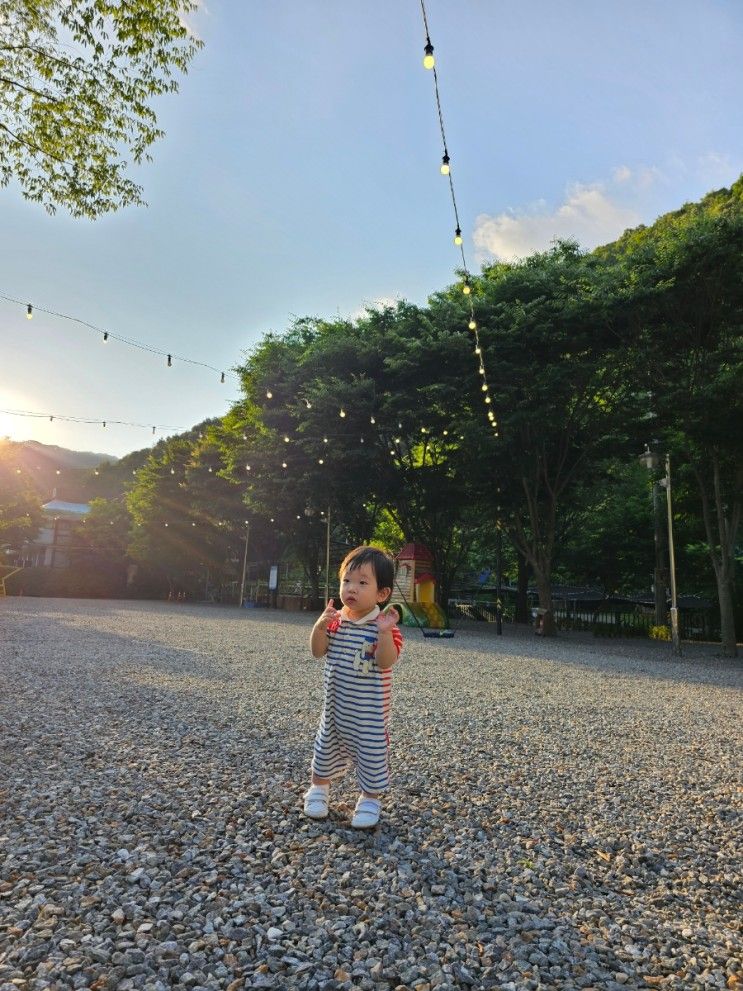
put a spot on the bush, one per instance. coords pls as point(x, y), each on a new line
point(659, 633)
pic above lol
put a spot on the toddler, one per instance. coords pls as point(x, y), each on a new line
point(361, 643)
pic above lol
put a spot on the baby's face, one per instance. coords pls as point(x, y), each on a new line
point(360, 592)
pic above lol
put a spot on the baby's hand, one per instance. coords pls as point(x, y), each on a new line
point(386, 620)
point(329, 614)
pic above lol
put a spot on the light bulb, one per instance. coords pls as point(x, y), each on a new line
point(482, 370)
point(466, 289)
point(445, 170)
point(488, 399)
point(172, 471)
point(222, 379)
point(372, 420)
point(105, 336)
point(472, 325)
point(325, 440)
point(286, 439)
point(428, 60)
point(478, 349)
point(320, 461)
point(484, 387)
point(29, 312)
point(283, 464)
point(343, 413)
point(247, 467)
point(269, 394)
point(457, 236)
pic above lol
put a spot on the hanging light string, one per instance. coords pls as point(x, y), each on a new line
point(81, 419)
point(31, 308)
point(429, 62)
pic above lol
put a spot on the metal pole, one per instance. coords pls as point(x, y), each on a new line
point(245, 564)
point(675, 639)
point(498, 579)
point(327, 558)
point(659, 583)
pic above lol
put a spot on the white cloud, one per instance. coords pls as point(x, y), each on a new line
point(591, 214)
point(598, 212)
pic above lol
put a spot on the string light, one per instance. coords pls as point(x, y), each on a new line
point(428, 60)
point(445, 170)
point(130, 342)
point(342, 413)
point(81, 419)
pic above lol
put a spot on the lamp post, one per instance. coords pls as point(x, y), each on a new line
point(313, 512)
point(675, 638)
point(327, 556)
point(498, 582)
point(245, 562)
point(651, 461)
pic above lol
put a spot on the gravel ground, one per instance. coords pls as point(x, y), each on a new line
point(563, 815)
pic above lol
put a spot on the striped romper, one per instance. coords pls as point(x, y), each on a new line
point(353, 727)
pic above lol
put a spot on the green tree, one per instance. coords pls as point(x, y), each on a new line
point(366, 417)
point(558, 392)
point(77, 82)
point(20, 505)
point(684, 324)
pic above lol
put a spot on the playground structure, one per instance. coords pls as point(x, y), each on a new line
point(414, 592)
point(5, 573)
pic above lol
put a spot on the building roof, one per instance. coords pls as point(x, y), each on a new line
point(419, 552)
point(57, 507)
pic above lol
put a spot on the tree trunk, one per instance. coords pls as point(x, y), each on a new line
point(727, 614)
point(722, 560)
point(522, 590)
point(544, 588)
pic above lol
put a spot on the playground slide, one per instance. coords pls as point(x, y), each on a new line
point(428, 615)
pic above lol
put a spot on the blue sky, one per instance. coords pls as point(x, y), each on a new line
point(299, 176)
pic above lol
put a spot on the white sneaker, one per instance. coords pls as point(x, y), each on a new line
point(366, 813)
point(316, 802)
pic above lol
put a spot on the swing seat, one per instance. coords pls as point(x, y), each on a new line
point(438, 634)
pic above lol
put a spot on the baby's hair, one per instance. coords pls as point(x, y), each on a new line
point(381, 564)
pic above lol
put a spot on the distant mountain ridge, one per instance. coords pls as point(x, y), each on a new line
point(53, 472)
point(64, 457)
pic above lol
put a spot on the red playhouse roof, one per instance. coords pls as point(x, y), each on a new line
point(427, 577)
point(418, 552)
